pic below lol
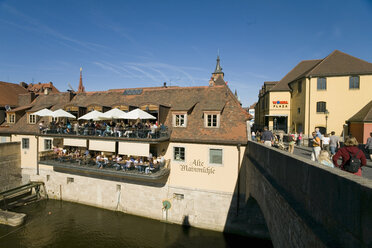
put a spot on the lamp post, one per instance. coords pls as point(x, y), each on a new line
point(326, 112)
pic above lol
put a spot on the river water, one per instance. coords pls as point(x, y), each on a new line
point(52, 223)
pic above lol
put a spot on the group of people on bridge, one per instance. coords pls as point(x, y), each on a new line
point(326, 149)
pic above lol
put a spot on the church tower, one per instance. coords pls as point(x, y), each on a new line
point(217, 75)
point(81, 88)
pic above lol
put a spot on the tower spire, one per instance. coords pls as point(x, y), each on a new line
point(218, 74)
point(81, 88)
point(218, 66)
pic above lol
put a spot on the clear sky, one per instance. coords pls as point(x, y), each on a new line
point(140, 43)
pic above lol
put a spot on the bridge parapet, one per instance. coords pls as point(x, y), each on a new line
point(306, 204)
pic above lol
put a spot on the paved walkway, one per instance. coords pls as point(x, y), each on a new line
point(305, 152)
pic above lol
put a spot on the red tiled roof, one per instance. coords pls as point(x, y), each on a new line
point(39, 88)
point(9, 93)
point(195, 100)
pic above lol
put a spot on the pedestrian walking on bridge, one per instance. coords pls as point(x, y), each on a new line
point(267, 137)
point(316, 147)
point(350, 154)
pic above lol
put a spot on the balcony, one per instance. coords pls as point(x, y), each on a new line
point(110, 170)
point(161, 134)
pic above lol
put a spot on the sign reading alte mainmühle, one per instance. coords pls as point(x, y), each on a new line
point(198, 167)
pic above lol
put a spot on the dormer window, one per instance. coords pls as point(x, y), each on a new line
point(11, 117)
point(212, 119)
point(180, 119)
point(31, 119)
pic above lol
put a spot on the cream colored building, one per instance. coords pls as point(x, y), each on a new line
point(322, 93)
point(203, 143)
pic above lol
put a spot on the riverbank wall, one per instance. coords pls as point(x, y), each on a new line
point(188, 206)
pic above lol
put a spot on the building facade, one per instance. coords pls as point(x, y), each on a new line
point(203, 142)
point(322, 94)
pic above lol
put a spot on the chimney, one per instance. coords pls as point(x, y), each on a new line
point(32, 96)
point(71, 95)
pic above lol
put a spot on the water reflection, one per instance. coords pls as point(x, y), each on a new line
point(62, 224)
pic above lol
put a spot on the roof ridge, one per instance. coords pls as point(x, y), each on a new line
point(322, 61)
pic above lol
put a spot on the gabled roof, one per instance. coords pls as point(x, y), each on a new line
point(338, 64)
point(39, 87)
point(9, 93)
point(335, 64)
point(363, 115)
point(297, 72)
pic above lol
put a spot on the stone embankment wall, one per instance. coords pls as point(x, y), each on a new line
point(10, 165)
point(199, 208)
point(306, 204)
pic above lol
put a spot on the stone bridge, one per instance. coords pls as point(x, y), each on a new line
point(305, 204)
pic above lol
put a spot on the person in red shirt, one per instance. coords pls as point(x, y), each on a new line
point(351, 145)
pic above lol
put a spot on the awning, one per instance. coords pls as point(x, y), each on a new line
point(102, 145)
point(135, 149)
point(75, 142)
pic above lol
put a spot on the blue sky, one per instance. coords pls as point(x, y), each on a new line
point(122, 44)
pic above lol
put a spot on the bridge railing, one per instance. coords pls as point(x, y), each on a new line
point(334, 205)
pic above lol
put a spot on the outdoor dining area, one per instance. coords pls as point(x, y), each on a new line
point(104, 161)
point(113, 123)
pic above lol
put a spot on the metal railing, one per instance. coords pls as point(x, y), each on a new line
point(118, 133)
point(119, 168)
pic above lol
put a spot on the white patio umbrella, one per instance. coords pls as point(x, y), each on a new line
point(138, 114)
point(94, 115)
point(114, 113)
point(62, 113)
point(44, 112)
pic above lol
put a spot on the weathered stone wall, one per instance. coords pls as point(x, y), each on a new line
point(199, 208)
point(10, 165)
point(306, 204)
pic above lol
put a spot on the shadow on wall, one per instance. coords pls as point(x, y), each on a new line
point(304, 203)
point(245, 216)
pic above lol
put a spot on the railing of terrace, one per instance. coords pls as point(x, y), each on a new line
point(124, 168)
point(121, 133)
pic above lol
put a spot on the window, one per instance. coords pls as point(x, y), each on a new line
point(179, 153)
point(212, 119)
point(11, 118)
point(322, 84)
point(179, 120)
point(47, 144)
point(320, 107)
point(299, 86)
point(215, 156)
point(25, 143)
point(31, 119)
point(354, 82)
point(298, 110)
